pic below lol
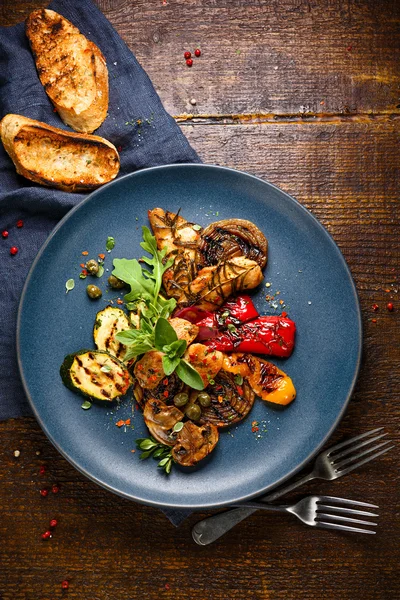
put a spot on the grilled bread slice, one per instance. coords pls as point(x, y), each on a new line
point(56, 158)
point(71, 68)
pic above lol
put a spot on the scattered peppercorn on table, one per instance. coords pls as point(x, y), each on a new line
point(306, 96)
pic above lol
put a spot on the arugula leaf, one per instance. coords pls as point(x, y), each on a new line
point(164, 334)
point(130, 271)
point(156, 262)
point(189, 375)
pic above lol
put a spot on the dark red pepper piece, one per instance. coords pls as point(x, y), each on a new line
point(272, 335)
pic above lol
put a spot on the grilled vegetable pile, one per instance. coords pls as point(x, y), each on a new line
point(190, 341)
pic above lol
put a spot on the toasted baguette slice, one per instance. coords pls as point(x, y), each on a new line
point(68, 161)
point(71, 68)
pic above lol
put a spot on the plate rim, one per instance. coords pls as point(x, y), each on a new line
point(212, 505)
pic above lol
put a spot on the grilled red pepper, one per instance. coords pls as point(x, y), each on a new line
point(273, 335)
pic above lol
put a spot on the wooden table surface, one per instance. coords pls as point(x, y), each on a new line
point(305, 94)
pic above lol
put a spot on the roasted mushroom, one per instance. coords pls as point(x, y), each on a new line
point(223, 240)
point(160, 420)
point(213, 285)
point(193, 443)
point(230, 402)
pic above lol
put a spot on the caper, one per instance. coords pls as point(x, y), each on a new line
point(193, 412)
point(204, 399)
point(92, 266)
point(181, 399)
point(94, 292)
point(115, 283)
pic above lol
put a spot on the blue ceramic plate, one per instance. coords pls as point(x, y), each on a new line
point(304, 265)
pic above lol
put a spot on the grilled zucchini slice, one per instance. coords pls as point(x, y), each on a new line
point(98, 375)
point(108, 323)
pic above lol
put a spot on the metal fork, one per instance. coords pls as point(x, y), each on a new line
point(326, 512)
point(330, 464)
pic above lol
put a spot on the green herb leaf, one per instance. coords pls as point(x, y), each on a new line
point(130, 271)
point(147, 444)
point(163, 462)
point(178, 426)
point(238, 379)
point(110, 243)
point(69, 285)
point(168, 466)
point(170, 364)
point(189, 375)
point(175, 349)
point(86, 405)
point(100, 272)
point(164, 334)
point(196, 227)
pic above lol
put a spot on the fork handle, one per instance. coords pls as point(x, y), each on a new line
point(287, 488)
point(211, 528)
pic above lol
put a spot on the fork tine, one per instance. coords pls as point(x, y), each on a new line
point(335, 518)
point(350, 459)
point(340, 509)
point(345, 501)
point(356, 447)
point(352, 440)
point(363, 462)
point(324, 525)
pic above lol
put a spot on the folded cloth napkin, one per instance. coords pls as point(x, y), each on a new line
point(28, 212)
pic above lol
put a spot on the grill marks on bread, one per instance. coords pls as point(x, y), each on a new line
point(71, 68)
point(57, 158)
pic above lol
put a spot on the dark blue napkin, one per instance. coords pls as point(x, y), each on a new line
point(132, 97)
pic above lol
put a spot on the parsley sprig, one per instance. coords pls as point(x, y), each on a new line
point(151, 447)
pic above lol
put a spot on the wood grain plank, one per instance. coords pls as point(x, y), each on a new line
point(261, 57)
point(284, 57)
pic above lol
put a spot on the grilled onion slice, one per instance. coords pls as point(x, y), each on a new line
point(230, 402)
point(194, 443)
point(223, 240)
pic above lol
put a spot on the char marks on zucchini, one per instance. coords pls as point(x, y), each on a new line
point(96, 374)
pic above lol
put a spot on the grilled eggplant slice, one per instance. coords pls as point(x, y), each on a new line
point(230, 402)
point(226, 239)
point(160, 420)
point(108, 323)
point(95, 374)
point(193, 443)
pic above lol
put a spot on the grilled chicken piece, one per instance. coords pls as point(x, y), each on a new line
point(185, 330)
point(194, 443)
point(213, 285)
point(230, 402)
point(181, 240)
point(223, 240)
point(160, 419)
point(270, 383)
point(149, 370)
point(206, 362)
